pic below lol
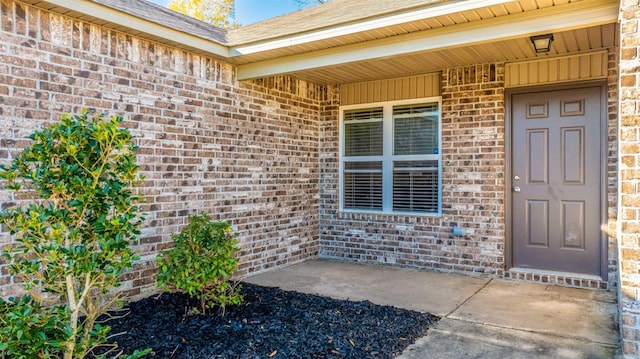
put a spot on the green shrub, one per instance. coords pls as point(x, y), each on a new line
point(28, 330)
point(73, 238)
point(202, 262)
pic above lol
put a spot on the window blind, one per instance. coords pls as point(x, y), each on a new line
point(363, 185)
point(415, 186)
point(415, 130)
point(363, 132)
point(391, 164)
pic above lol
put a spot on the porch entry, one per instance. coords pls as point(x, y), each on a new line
point(556, 180)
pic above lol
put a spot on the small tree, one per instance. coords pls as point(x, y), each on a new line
point(202, 262)
point(215, 12)
point(73, 240)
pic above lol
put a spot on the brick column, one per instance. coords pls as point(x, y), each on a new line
point(629, 177)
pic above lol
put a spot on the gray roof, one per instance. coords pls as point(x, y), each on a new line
point(161, 15)
point(336, 12)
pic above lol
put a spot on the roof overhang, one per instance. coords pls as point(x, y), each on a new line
point(406, 38)
point(109, 17)
point(363, 25)
point(570, 16)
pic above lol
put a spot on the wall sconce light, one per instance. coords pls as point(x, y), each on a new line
point(542, 43)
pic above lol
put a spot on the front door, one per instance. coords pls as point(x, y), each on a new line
point(556, 184)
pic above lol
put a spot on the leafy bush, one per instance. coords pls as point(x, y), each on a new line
point(28, 330)
point(202, 262)
point(73, 238)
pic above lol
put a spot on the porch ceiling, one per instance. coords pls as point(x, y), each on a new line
point(566, 42)
point(492, 33)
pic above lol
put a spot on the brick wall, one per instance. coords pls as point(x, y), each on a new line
point(246, 153)
point(263, 155)
point(473, 187)
point(472, 196)
point(629, 177)
point(612, 166)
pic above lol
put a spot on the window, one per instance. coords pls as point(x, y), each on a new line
point(389, 158)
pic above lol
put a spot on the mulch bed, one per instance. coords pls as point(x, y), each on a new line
point(272, 323)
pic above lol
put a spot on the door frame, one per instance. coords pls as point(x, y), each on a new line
point(508, 182)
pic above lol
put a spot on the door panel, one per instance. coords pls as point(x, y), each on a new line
point(538, 148)
point(573, 155)
point(556, 166)
point(538, 223)
point(573, 224)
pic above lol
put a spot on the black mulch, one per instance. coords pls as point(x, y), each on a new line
point(272, 323)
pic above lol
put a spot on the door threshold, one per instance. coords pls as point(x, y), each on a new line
point(517, 270)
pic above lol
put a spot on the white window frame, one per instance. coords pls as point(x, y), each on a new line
point(388, 158)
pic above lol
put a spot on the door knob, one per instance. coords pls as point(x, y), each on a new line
point(516, 189)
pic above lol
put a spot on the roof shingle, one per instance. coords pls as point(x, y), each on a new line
point(161, 15)
point(336, 12)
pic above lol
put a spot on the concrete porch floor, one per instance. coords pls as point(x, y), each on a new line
point(481, 317)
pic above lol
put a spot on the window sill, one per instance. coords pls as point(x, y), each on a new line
point(396, 213)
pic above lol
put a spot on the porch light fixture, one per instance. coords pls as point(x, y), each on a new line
point(542, 43)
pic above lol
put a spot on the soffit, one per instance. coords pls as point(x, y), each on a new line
point(579, 26)
point(566, 42)
point(282, 36)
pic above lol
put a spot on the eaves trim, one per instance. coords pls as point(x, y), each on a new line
point(123, 19)
point(363, 25)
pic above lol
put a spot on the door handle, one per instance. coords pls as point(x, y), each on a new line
point(516, 189)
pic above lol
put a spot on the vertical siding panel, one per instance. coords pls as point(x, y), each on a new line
point(397, 90)
point(585, 67)
point(420, 86)
point(523, 75)
point(390, 86)
point(403, 88)
point(515, 71)
point(543, 71)
point(429, 86)
point(569, 68)
point(563, 69)
point(554, 71)
point(598, 67)
point(344, 94)
point(574, 68)
point(513, 74)
point(413, 87)
point(376, 91)
point(352, 94)
point(406, 88)
point(604, 58)
point(437, 84)
point(534, 74)
point(361, 93)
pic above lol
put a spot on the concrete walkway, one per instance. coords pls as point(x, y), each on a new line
point(481, 317)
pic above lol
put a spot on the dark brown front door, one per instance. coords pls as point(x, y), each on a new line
point(556, 184)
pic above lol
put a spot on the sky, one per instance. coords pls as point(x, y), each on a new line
point(250, 11)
